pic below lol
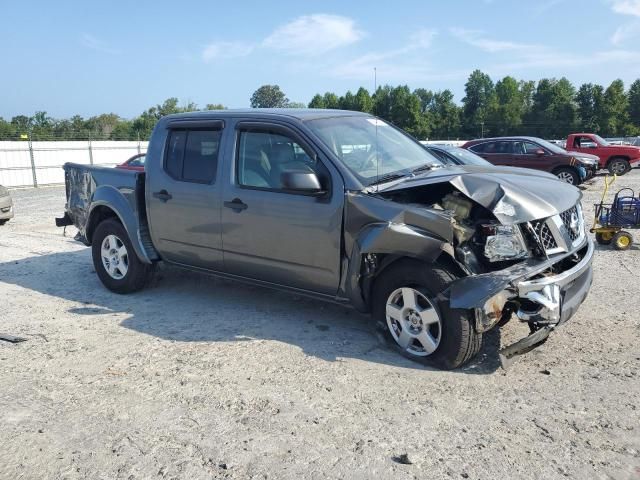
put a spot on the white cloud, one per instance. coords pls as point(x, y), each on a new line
point(93, 43)
point(477, 38)
point(218, 50)
point(625, 32)
point(402, 64)
point(626, 7)
point(313, 35)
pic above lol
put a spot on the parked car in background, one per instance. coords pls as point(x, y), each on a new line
point(450, 155)
point(134, 163)
point(618, 159)
point(538, 154)
point(345, 207)
point(6, 205)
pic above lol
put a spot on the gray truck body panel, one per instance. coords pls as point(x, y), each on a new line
point(322, 246)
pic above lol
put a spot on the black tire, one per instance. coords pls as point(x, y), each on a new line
point(604, 238)
point(618, 166)
point(459, 341)
point(622, 240)
point(568, 175)
point(2, 222)
point(137, 274)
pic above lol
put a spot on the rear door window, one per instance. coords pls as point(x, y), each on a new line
point(192, 155)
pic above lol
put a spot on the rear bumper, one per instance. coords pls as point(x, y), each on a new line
point(6, 208)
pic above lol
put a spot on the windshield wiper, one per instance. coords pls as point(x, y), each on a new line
point(426, 166)
point(388, 177)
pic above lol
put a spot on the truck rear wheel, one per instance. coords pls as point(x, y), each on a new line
point(115, 260)
point(619, 166)
point(416, 323)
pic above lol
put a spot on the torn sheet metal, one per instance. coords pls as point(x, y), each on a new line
point(512, 196)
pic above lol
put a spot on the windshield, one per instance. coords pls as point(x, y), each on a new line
point(550, 146)
point(601, 140)
point(466, 157)
point(369, 154)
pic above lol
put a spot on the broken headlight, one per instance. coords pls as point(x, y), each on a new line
point(504, 242)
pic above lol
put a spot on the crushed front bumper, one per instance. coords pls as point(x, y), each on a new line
point(544, 294)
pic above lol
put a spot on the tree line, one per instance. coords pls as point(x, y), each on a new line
point(548, 108)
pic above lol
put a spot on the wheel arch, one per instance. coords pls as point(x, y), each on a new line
point(379, 246)
point(110, 203)
point(617, 157)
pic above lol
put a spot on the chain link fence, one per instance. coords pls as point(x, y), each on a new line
point(34, 163)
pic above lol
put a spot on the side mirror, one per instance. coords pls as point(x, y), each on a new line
point(539, 152)
point(304, 183)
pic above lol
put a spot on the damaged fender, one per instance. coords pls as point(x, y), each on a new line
point(405, 231)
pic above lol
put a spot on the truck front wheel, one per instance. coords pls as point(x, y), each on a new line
point(618, 166)
point(416, 323)
point(115, 260)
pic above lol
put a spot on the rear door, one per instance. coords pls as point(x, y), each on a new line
point(273, 235)
point(497, 152)
point(183, 195)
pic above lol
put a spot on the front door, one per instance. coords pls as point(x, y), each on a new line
point(274, 235)
point(183, 197)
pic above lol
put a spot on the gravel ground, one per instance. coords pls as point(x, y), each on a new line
point(199, 378)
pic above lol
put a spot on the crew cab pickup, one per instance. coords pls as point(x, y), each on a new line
point(344, 207)
point(618, 159)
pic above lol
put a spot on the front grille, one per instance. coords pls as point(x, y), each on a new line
point(568, 217)
point(544, 233)
point(561, 232)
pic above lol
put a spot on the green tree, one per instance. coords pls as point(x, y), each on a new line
point(362, 101)
point(295, 105)
point(317, 101)
point(634, 103)
point(589, 100)
point(505, 116)
point(331, 100)
point(269, 96)
point(615, 107)
point(478, 102)
point(445, 116)
point(215, 106)
point(553, 113)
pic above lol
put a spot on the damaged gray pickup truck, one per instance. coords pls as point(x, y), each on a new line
point(344, 207)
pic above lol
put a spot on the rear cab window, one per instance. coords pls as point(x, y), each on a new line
point(192, 154)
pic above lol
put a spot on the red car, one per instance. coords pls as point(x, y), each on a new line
point(618, 159)
point(134, 163)
point(536, 153)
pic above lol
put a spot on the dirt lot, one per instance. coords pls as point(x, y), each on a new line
point(201, 378)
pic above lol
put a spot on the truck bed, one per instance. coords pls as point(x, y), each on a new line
point(121, 191)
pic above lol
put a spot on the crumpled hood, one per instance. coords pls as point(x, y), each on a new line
point(512, 195)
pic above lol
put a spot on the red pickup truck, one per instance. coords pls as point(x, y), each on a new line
point(618, 159)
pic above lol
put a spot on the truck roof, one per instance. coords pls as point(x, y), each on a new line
point(298, 113)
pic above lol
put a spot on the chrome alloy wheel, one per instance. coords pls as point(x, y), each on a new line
point(413, 321)
point(115, 258)
point(566, 177)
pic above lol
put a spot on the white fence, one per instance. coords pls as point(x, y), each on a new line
point(32, 164)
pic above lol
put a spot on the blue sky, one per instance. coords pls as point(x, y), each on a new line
point(69, 57)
